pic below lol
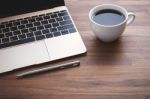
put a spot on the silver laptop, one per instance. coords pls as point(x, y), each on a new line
point(36, 31)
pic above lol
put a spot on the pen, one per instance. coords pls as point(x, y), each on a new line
point(51, 68)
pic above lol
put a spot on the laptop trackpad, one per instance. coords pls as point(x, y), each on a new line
point(65, 46)
point(24, 55)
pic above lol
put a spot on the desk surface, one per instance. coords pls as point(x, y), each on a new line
point(118, 70)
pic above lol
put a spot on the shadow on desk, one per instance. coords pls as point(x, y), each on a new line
point(108, 53)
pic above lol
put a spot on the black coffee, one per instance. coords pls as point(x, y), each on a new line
point(108, 17)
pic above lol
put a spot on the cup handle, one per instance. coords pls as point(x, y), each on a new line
point(131, 18)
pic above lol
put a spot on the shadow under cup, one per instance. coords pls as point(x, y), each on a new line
point(109, 33)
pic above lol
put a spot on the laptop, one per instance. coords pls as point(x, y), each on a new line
point(36, 31)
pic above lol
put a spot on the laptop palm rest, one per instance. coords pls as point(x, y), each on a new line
point(22, 56)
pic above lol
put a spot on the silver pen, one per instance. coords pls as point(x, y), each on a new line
point(51, 68)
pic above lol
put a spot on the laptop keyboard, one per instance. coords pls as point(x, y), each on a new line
point(35, 28)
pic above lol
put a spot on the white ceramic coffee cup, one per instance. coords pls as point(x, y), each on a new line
point(109, 33)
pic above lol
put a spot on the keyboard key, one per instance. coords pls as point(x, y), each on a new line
point(40, 37)
point(54, 16)
point(60, 14)
point(62, 27)
point(49, 35)
point(48, 26)
point(32, 29)
point(59, 19)
point(22, 36)
point(56, 34)
point(63, 13)
point(39, 19)
point(25, 31)
point(6, 30)
point(14, 38)
point(70, 26)
point(5, 40)
point(16, 23)
point(72, 30)
point(55, 24)
point(37, 24)
point(66, 17)
point(46, 17)
point(8, 34)
point(28, 40)
point(31, 20)
point(29, 25)
point(40, 27)
point(21, 26)
point(51, 21)
point(30, 34)
point(13, 28)
point(65, 27)
point(24, 22)
point(16, 32)
point(45, 31)
point(64, 32)
point(1, 35)
point(65, 22)
point(53, 29)
point(38, 33)
point(44, 22)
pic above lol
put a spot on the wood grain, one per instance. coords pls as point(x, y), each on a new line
point(118, 70)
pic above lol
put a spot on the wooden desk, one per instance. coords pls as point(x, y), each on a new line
point(119, 70)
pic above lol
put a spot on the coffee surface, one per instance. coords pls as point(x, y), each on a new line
point(108, 17)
